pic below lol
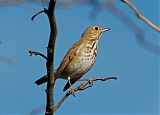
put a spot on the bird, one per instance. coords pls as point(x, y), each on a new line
point(80, 57)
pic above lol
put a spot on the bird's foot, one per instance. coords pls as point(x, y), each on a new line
point(72, 91)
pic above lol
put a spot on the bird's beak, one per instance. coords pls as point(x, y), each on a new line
point(105, 29)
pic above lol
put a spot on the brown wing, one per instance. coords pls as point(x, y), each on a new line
point(67, 59)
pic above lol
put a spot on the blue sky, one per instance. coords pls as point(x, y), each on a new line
point(136, 92)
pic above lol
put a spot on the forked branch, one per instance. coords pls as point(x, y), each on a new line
point(83, 86)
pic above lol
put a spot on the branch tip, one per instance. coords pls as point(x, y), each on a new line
point(140, 16)
point(107, 78)
point(33, 17)
point(37, 53)
point(30, 53)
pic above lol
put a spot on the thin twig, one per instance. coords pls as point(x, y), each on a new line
point(33, 17)
point(37, 53)
point(135, 29)
point(140, 16)
point(61, 101)
point(87, 84)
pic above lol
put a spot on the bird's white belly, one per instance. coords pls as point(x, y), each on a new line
point(80, 66)
point(81, 63)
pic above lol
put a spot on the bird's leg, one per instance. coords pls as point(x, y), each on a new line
point(72, 89)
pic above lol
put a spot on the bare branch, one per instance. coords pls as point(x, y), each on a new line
point(140, 16)
point(50, 54)
point(61, 101)
point(85, 85)
point(37, 53)
point(135, 29)
point(33, 17)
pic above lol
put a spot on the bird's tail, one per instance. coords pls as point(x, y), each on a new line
point(43, 79)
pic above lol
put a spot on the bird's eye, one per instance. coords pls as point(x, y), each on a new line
point(96, 28)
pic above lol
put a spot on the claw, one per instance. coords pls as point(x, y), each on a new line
point(72, 92)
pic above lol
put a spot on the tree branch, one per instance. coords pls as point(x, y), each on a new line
point(85, 85)
point(140, 16)
point(33, 17)
point(135, 29)
point(37, 53)
point(50, 55)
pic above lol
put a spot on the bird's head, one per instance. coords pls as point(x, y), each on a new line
point(94, 32)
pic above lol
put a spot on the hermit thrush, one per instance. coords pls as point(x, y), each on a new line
point(80, 57)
